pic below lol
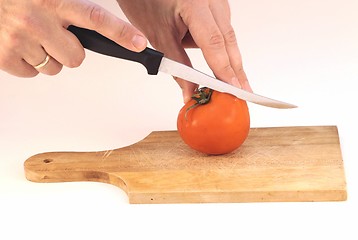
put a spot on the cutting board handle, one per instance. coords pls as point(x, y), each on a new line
point(70, 167)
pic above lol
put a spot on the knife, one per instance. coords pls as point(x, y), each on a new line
point(154, 61)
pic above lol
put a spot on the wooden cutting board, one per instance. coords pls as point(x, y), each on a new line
point(274, 164)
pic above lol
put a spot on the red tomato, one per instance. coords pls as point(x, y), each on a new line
point(217, 127)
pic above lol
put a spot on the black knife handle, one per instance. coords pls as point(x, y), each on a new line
point(96, 42)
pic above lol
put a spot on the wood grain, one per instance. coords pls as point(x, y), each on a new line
point(274, 164)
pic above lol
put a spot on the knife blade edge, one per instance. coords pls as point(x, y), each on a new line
point(189, 74)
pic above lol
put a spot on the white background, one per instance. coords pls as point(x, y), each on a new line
point(304, 52)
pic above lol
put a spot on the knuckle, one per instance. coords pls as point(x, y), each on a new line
point(216, 40)
point(26, 22)
point(75, 61)
point(226, 68)
point(237, 65)
point(230, 37)
point(186, 9)
point(97, 15)
point(239, 68)
point(13, 40)
point(122, 31)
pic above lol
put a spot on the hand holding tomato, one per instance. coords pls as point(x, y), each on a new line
point(213, 122)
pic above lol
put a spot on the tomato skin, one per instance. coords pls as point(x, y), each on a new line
point(217, 127)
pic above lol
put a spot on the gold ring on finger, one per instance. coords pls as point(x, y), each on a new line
point(43, 63)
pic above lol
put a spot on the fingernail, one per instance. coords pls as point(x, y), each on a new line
point(139, 42)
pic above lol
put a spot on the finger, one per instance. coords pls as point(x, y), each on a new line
point(221, 14)
point(37, 56)
point(20, 68)
point(188, 88)
point(64, 47)
point(11, 62)
point(51, 67)
point(92, 16)
point(188, 41)
point(181, 56)
point(211, 42)
point(172, 49)
point(244, 82)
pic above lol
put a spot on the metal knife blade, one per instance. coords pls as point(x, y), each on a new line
point(155, 61)
point(182, 71)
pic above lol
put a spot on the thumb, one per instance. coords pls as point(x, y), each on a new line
point(89, 15)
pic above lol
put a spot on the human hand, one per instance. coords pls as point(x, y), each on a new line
point(31, 29)
point(173, 25)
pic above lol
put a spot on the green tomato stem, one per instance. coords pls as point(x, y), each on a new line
point(202, 97)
